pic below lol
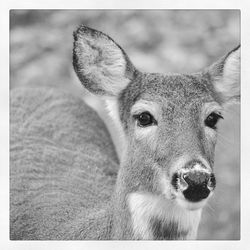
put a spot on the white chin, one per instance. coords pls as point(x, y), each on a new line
point(191, 205)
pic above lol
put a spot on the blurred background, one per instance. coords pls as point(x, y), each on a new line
point(180, 41)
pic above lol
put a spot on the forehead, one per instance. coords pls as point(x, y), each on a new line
point(175, 92)
point(180, 90)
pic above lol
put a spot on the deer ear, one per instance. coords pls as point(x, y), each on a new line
point(225, 76)
point(101, 65)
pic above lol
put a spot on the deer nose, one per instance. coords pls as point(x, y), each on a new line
point(195, 185)
point(199, 185)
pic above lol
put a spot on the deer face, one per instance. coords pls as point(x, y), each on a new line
point(171, 127)
point(169, 122)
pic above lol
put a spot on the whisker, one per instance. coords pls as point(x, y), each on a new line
point(224, 139)
point(211, 209)
point(232, 112)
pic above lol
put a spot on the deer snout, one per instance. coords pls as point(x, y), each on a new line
point(199, 185)
point(195, 184)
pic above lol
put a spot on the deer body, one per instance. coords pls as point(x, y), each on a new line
point(168, 127)
point(63, 167)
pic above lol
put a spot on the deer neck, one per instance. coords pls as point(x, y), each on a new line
point(138, 214)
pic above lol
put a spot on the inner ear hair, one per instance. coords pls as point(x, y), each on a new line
point(101, 65)
point(225, 76)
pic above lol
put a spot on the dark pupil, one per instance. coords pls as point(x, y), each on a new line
point(145, 119)
point(211, 120)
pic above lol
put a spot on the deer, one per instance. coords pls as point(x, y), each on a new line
point(165, 175)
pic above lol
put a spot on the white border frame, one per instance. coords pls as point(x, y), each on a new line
point(244, 243)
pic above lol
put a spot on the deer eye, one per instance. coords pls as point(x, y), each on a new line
point(145, 119)
point(212, 120)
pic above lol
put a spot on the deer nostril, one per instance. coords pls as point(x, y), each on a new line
point(179, 182)
point(211, 182)
point(183, 182)
point(184, 176)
